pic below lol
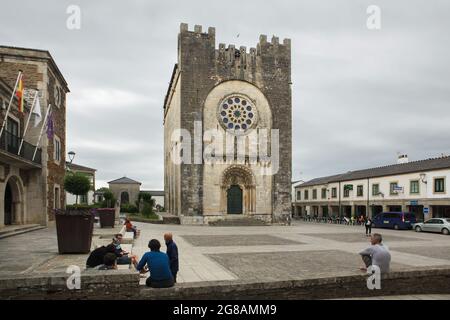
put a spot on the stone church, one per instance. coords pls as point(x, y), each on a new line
point(229, 91)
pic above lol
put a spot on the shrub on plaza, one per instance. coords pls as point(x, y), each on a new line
point(109, 198)
point(146, 198)
point(77, 184)
point(147, 210)
point(82, 206)
point(129, 208)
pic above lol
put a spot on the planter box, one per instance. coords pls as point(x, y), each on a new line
point(74, 230)
point(107, 217)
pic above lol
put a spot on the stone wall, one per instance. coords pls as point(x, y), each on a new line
point(132, 189)
point(202, 67)
point(40, 72)
point(124, 285)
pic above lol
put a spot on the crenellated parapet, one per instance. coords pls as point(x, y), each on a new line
point(268, 57)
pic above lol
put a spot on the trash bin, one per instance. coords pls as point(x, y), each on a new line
point(107, 217)
point(74, 230)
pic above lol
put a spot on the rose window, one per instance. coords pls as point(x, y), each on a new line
point(237, 113)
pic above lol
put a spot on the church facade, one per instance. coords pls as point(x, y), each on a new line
point(228, 130)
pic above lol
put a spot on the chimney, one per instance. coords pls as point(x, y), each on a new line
point(402, 159)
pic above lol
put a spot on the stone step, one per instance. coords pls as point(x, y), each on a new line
point(237, 222)
point(16, 230)
point(171, 219)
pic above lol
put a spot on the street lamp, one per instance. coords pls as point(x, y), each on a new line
point(71, 156)
point(422, 177)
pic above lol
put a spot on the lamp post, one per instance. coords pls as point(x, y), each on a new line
point(71, 156)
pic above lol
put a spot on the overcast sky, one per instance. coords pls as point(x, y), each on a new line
point(360, 96)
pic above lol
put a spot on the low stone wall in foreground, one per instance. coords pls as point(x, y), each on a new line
point(125, 285)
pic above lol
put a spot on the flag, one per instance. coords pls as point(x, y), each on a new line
point(50, 129)
point(37, 111)
point(19, 93)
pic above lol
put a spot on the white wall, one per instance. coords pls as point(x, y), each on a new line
point(426, 189)
point(71, 199)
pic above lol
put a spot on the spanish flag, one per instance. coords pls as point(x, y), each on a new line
point(19, 93)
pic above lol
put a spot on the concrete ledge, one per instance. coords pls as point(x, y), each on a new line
point(125, 285)
point(94, 284)
point(435, 281)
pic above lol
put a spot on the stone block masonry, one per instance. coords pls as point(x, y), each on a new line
point(201, 68)
point(125, 285)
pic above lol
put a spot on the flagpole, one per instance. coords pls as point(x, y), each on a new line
point(28, 121)
point(42, 130)
point(10, 102)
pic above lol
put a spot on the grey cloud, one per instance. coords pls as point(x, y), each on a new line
point(359, 96)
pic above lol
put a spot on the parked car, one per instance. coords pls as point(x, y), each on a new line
point(438, 225)
point(394, 220)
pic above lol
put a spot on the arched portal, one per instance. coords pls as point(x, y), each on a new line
point(13, 208)
point(124, 197)
point(238, 191)
point(234, 200)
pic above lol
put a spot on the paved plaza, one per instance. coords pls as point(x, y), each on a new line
point(265, 253)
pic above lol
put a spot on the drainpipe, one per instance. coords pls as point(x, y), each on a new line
point(340, 206)
point(368, 199)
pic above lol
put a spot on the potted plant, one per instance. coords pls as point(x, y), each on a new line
point(107, 213)
point(74, 226)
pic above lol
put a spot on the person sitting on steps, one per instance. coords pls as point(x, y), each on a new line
point(130, 228)
point(123, 257)
point(377, 254)
point(109, 262)
point(158, 264)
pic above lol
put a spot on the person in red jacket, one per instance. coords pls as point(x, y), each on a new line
point(130, 228)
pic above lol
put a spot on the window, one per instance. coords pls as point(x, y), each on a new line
point(359, 191)
point(334, 193)
point(414, 187)
point(346, 193)
point(324, 193)
point(439, 185)
point(375, 189)
point(237, 113)
point(315, 194)
point(12, 135)
point(392, 188)
point(57, 149)
point(299, 195)
point(306, 194)
point(57, 199)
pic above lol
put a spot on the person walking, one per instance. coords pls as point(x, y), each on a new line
point(368, 225)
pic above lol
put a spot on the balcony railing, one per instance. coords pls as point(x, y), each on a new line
point(11, 143)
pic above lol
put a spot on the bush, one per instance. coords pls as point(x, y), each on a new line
point(147, 210)
point(77, 184)
point(80, 207)
point(129, 208)
point(108, 198)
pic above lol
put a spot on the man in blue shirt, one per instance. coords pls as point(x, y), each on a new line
point(172, 252)
point(158, 264)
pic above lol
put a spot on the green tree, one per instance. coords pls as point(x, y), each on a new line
point(77, 184)
point(108, 197)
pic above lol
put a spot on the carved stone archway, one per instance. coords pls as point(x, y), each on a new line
point(124, 197)
point(13, 201)
point(238, 175)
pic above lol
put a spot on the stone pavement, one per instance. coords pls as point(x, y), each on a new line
point(262, 253)
point(37, 252)
point(299, 251)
